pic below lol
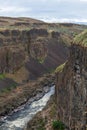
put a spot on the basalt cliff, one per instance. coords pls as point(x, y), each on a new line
point(30, 51)
point(71, 87)
point(31, 48)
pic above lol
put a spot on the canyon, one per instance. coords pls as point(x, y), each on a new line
point(30, 52)
point(70, 100)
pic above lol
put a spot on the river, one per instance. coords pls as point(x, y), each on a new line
point(19, 119)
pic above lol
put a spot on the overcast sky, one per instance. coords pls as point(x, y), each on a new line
point(48, 10)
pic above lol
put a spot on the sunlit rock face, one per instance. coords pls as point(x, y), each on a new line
point(71, 89)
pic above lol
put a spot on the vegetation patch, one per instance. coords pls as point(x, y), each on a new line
point(8, 89)
point(2, 76)
point(41, 60)
point(58, 125)
point(50, 71)
point(81, 38)
point(60, 68)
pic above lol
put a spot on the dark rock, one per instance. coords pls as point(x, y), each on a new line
point(71, 88)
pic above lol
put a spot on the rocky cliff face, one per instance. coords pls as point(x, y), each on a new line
point(71, 88)
point(12, 50)
point(10, 60)
point(39, 47)
point(38, 50)
point(15, 46)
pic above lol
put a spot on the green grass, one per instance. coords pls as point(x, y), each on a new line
point(41, 60)
point(2, 76)
point(60, 68)
point(58, 125)
point(8, 89)
point(81, 38)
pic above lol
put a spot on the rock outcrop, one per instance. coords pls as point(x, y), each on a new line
point(10, 60)
point(71, 87)
point(35, 44)
point(30, 48)
point(15, 46)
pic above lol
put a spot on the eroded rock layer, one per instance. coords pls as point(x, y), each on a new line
point(30, 48)
point(71, 89)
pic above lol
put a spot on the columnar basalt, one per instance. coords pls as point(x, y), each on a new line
point(34, 47)
point(71, 88)
point(16, 45)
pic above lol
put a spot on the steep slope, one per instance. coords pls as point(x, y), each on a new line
point(71, 86)
point(37, 50)
point(41, 46)
point(29, 49)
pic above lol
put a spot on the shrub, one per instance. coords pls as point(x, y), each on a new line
point(60, 68)
point(2, 76)
point(58, 125)
point(9, 88)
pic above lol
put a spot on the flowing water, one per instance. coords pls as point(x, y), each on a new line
point(19, 119)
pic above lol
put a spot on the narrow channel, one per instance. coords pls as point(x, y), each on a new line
point(19, 119)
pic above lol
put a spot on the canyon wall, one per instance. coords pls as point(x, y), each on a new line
point(71, 87)
point(36, 46)
point(15, 46)
point(38, 50)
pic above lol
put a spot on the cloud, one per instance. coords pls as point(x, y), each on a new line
point(83, 0)
point(47, 10)
point(14, 9)
point(74, 0)
point(10, 9)
point(64, 20)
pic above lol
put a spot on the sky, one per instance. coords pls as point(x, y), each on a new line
point(46, 10)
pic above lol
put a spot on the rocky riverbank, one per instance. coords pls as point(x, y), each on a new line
point(43, 120)
point(12, 100)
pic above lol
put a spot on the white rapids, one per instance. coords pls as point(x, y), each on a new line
point(19, 119)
